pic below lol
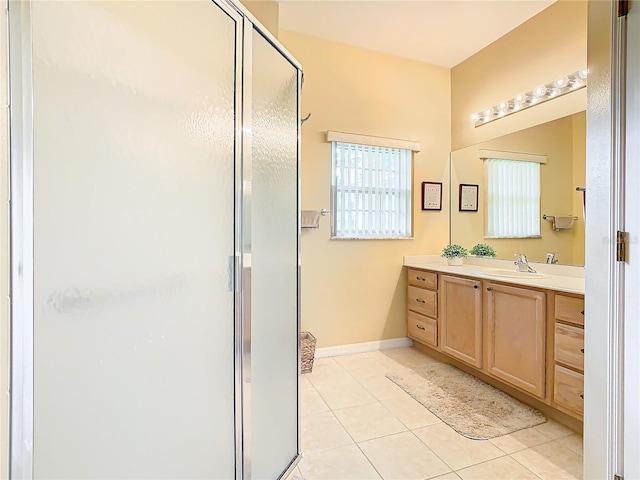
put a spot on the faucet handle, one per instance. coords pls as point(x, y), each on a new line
point(521, 257)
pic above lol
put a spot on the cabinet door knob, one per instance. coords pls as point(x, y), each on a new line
point(489, 289)
point(582, 396)
point(582, 312)
point(420, 327)
point(420, 301)
point(475, 286)
point(582, 350)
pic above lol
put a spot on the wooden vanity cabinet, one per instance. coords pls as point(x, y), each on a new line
point(568, 374)
point(526, 338)
point(461, 319)
point(516, 336)
point(422, 307)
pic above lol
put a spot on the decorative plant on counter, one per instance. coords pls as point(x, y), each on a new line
point(454, 254)
point(482, 250)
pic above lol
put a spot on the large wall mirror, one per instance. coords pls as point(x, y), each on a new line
point(561, 143)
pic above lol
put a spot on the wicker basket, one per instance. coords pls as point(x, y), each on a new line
point(307, 352)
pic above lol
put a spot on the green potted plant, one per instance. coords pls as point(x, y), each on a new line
point(454, 254)
point(482, 250)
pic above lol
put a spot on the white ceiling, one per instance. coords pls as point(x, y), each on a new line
point(439, 32)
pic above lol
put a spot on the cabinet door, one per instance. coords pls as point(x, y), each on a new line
point(515, 343)
point(461, 319)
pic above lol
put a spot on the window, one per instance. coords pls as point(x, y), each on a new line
point(513, 198)
point(371, 191)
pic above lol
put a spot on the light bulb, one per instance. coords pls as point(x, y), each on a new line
point(577, 83)
point(533, 100)
point(488, 112)
point(583, 73)
point(501, 113)
point(555, 92)
point(516, 107)
point(540, 91)
point(562, 82)
point(520, 99)
point(475, 117)
point(504, 107)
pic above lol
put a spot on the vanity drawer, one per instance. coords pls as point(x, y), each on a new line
point(568, 391)
point(423, 329)
point(423, 301)
point(569, 346)
point(423, 279)
point(570, 309)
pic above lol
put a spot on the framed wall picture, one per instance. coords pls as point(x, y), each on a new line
point(468, 198)
point(431, 196)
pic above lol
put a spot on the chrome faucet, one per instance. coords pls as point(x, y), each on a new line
point(522, 264)
point(551, 258)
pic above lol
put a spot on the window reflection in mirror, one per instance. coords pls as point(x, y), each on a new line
point(562, 141)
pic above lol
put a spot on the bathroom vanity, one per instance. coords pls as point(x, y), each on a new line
point(525, 331)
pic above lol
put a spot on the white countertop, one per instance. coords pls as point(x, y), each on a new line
point(557, 277)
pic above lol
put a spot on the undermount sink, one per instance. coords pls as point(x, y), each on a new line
point(503, 272)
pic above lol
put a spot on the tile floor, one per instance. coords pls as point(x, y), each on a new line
point(357, 424)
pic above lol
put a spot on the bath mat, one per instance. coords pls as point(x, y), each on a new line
point(468, 405)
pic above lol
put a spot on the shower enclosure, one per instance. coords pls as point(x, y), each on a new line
point(155, 242)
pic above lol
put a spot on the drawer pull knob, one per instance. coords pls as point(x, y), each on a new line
point(420, 301)
point(582, 312)
point(582, 396)
point(422, 279)
point(419, 327)
point(489, 289)
point(475, 286)
point(582, 350)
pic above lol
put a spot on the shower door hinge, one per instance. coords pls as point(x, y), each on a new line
point(623, 8)
point(622, 246)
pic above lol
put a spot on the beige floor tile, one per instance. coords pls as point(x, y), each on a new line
point(456, 451)
point(304, 382)
point(403, 456)
point(365, 422)
point(343, 393)
point(322, 431)
point(342, 359)
point(520, 440)
point(503, 468)
point(311, 402)
point(551, 461)
point(447, 476)
point(408, 411)
point(573, 442)
point(343, 463)
point(362, 367)
point(295, 475)
point(382, 388)
point(553, 429)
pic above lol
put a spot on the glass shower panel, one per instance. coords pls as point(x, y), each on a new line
point(274, 262)
point(133, 232)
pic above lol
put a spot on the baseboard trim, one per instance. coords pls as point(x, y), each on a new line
point(352, 348)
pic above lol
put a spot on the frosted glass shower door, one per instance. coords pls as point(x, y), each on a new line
point(134, 207)
point(274, 261)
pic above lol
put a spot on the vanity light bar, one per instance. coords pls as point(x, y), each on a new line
point(540, 94)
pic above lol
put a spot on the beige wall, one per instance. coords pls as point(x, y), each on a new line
point(354, 291)
point(548, 46)
point(4, 260)
point(267, 13)
point(562, 141)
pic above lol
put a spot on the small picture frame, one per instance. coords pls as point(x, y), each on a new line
point(431, 196)
point(468, 198)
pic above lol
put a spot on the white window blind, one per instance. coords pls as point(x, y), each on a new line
point(371, 191)
point(513, 198)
